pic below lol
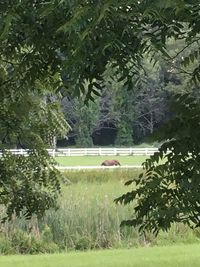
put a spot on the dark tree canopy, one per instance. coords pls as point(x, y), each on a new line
point(77, 39)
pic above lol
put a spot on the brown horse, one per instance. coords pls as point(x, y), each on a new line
point(111, 162)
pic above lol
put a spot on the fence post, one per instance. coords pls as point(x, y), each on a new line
point(146, 151)
point(53, 153)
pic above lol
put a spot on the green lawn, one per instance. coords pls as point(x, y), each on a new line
point(173, 256)
point(97, 160)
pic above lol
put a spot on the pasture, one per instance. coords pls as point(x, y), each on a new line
point(97, 160)
point(169, 256)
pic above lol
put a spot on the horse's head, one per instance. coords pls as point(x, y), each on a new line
point(117, 163)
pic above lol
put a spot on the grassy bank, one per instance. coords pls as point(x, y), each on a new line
point(173, 256)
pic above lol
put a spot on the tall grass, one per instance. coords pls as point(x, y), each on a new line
point(88, 218)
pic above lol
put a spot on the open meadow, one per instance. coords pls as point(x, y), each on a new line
point(172, 256)
point(97, 160)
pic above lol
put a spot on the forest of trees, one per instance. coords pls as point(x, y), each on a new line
point(124, 116)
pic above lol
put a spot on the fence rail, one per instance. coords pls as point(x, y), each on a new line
point(101, 151)
point(104, 151)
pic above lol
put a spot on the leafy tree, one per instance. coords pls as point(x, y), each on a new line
point(29, 119)
point(82, 119)
point(124, 135)
point(168, 189)
point(51, 37)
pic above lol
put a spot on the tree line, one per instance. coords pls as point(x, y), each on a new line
point(125, 117)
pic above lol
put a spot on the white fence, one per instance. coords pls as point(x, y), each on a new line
point(101, 151)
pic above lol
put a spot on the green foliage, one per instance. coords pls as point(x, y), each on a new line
point(84, 243)
point(124, 135)
point(81, 118)
point(84, 125)
point(21, 242)
point(34, 41)
point(30, 186)
point(30, 118)
point(131, 114)
point(47, 235)
point(5, 246)
point(168, 191)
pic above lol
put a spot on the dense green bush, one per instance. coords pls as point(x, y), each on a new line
point(25, 243)
point(20, 242)
point(5, 246)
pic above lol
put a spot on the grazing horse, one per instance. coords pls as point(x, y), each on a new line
point(111, 162)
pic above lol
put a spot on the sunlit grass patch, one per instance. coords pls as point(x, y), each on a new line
point(173, 256)
point(97, 160)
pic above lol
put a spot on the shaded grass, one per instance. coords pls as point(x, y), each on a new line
point(97, 160)
point(173, 256)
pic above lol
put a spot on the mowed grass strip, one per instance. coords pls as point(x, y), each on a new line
point(173, 256)
point(97, 160)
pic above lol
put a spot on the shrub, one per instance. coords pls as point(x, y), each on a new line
point(5, 246)
point(83, 243)
point(24, 243)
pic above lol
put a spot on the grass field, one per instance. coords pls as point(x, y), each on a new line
point(173, 256)
point(97, 160)
point(88, 218)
